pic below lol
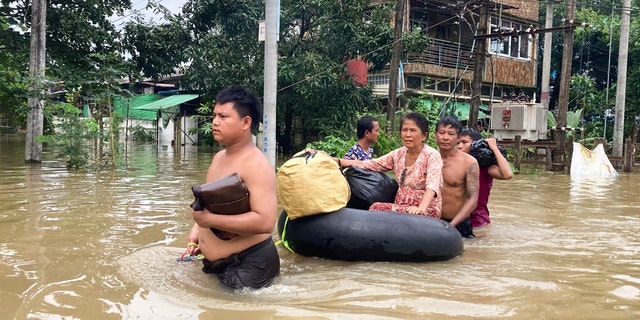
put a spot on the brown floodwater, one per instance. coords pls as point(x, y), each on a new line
point(102, 245)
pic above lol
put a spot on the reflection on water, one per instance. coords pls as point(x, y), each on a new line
point(91, 245)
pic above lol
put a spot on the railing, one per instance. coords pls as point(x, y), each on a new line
point(445, 54)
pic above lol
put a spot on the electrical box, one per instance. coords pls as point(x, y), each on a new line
point(527, 120)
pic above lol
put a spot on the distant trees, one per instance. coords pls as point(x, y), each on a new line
point(214, 44)
point(592, 69)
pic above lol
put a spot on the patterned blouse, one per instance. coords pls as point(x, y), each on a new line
point(357, 153)
point(413, 181)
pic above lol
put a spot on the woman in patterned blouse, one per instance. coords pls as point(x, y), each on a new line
point(418, 170)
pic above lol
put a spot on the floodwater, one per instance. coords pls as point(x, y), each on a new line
point(86, 245)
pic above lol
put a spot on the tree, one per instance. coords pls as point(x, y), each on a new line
point(317, 39)
point(594, 59)
point(76, 31)
point(14, 57)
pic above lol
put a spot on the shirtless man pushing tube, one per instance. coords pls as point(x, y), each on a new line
point(249, 259)
point(460, 175)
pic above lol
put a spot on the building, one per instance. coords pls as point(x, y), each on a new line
point(443, 71)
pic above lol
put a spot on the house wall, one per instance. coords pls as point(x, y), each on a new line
point(430, 69)
point(510, 71)
point(526, 9)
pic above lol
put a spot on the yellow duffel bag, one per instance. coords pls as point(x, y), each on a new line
point(311, 182)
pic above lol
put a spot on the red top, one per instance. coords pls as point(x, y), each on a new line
point(480, 216)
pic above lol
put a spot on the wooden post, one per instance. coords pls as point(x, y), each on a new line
point(394, 64)
point(478, 68)
point(518, 151)
point(565, 81)
point(629, 151)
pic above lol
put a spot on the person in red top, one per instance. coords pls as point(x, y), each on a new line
point(501, 171)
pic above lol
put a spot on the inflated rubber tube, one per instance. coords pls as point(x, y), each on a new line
point(361, 235)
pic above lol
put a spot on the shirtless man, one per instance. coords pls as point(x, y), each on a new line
point(460, 177)
point(249, 259)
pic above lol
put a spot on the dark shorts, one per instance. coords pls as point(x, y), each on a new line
point(255, 267)
point(465, 228)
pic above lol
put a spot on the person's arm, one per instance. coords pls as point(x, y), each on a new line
point(427, 198)
point(470, 193)
point(192, 240)
point(502, 170)
point(433, 182)
point(349, 162)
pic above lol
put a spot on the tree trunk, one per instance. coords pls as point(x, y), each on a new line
point(37, 54)
point(565, 84)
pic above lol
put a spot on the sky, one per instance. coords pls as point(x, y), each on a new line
point(139, 6)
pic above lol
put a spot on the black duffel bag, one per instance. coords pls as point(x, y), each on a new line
point(480, 150)
point(369, 186)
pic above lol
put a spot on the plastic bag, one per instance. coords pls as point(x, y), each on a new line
point(369, 186)
point(311, 183)
point(480, 150)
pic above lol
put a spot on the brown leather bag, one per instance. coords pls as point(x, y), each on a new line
point(227, 195)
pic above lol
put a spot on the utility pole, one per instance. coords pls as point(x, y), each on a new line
point(546, 57)
point(621, 86)
point(478, 68)
point(394, 65)
point(35, 102)
point(558, 154)
point(272, 8)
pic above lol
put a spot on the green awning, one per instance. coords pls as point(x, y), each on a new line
point(167, 102)
point(458, 109)
point(127, 106)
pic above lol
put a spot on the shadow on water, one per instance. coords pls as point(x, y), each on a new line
point(88, 245)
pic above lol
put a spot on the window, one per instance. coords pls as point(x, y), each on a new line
point(414, 82)
point(515, 46)
point(378, 80)
point(443, 85)
point(418, 18)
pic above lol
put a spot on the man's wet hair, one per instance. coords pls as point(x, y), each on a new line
point(449, 121)
point(245, 102)
point(365, 124)
point(418, 118)
point(472, 133)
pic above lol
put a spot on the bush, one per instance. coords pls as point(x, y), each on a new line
point(71, 134)
point(142, 134)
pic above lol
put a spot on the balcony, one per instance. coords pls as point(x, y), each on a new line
point(445, 54)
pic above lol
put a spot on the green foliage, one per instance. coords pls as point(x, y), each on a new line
point(386, 143)
point(591, 70)
point(142, 134)
point(317, 38)
point(204, 129)
point(72, 134)
point(155, 50)
point(14, 59)
point(334, 146)
point(222, 47)
point(574, 120)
